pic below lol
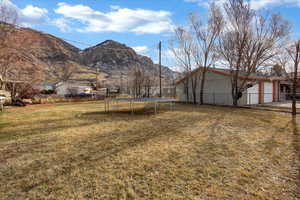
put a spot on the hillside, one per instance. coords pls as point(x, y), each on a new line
point(109, 57)
point(50, 53)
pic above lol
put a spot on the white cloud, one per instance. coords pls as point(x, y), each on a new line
point(141, 49)
point(28, 16)
point(154, 28)
point(139, 21)
point(62, 24)
point(170, 60)
point(31, 15)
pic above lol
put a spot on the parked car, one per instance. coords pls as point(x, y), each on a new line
point(80, 95)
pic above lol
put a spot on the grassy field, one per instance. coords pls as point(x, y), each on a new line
point(76, 151)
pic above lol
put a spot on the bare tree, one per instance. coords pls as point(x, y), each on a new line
point(183, 48)
point(19, 69)
point(8, 14)
point(60, 71)
point(196, 48)
point(294, 53)
point(249, 42)
point(149, 82)
point(137, 80)
point(8, 19)
point(62, 68)
point(205, 54)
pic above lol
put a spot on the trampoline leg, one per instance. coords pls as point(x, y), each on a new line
point(155, 109)
point(104, 105)
point(131, 107)
point(107, 106)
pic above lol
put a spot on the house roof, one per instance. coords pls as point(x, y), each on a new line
point(9, 81)
point(227, 72)
point(12, 81)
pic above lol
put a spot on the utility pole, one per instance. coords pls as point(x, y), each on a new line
point(121, 81)
point(97, 78)
point(159, 47)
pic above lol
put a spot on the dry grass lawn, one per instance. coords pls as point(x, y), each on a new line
point(76, 151)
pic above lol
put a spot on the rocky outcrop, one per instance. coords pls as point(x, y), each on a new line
point(111, 56)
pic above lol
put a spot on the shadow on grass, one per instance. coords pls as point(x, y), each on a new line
point(125, 113)
point(45, 127)
point(96, 148)
point(86, 119)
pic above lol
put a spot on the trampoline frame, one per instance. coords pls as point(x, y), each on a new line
point(108, 103)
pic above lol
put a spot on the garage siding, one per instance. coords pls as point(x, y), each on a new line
point(268, 92)
point(253, 95)
point(217, 90)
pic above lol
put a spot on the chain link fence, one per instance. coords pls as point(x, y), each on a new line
point(245, 98)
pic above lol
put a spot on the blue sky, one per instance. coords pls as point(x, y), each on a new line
point(140, 24)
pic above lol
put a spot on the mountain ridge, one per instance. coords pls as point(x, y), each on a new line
point(107, 57)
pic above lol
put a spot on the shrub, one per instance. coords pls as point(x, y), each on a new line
point(29, 93)
point(48, 92)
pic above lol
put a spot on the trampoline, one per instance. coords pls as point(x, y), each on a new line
point(114, 102)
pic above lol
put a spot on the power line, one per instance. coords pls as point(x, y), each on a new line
point(82, 43)
point(78, 42)
point(159, 47)
point(151, 48)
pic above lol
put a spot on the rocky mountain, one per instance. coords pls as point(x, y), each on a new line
point(111, 56)
point(44, 46)
point(108, 57)
point(49, 52)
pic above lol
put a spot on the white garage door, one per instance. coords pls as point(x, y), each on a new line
point(268, 92)
point(252, 95)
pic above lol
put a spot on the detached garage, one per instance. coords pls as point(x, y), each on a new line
point(264, 91)
point(217, 89)
point(253, 94)
point(268, 92)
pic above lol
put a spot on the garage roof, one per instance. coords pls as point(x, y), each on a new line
point(227, 72)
